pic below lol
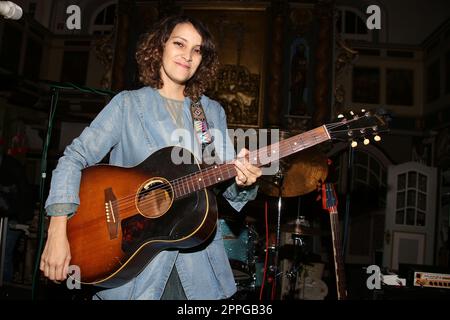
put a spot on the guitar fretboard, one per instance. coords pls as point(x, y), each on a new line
point(221, 172)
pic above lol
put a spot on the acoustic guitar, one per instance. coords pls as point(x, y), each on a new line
point(129, 215)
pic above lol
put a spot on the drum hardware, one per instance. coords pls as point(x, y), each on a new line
point(239, 241)
point(296, 267)
point(297, 175)
point(300, 227)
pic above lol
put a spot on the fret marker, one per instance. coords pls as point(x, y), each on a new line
point(218, 179)
point(295, 143)
point(199, 179)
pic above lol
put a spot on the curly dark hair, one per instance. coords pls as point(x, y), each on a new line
point(150, 51)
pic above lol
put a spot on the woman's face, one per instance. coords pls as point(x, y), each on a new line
point(182, 55)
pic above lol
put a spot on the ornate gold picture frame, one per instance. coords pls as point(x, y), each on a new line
point(240, 36)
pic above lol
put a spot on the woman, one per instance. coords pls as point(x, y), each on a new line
point(176, 62)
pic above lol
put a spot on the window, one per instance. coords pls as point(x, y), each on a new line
point(74, 68)
point(351, 23)
point(447, 72)
point(411, 200)
point(399, 87)
point(433, 81)
point(33, 57)
point(104, 21)
point(369, 172)
point(32, 9)
point(366, 85)
point(11, 48)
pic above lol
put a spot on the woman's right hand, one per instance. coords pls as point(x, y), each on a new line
point(56, 256)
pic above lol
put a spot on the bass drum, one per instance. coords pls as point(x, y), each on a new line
point(239, 241)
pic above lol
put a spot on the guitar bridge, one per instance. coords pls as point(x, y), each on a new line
point(111, 213)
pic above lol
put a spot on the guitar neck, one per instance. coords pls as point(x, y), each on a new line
point(215, 174)
point(337, 251)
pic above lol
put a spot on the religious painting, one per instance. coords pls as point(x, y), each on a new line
point(298, 84)
point(240, 36)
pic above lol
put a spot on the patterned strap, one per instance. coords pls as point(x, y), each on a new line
point(200, 124)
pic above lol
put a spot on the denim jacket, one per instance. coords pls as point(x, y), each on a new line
point(133, 125)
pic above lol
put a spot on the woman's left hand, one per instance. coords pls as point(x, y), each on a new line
point(246, 172)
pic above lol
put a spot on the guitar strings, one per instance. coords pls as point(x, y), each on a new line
point(129, 201)
point(204, 173)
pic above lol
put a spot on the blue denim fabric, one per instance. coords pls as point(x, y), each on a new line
point(133, 126)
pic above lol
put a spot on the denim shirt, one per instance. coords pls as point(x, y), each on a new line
point(133, 125)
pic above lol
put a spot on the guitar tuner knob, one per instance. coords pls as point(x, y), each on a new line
point(354, 144)
point(366, 141)
point(377, 138)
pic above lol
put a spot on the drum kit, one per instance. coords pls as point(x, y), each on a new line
point(256, 265)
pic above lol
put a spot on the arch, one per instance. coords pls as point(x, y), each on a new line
point(372, 150)
point(103, 28)
point(360, 11)
point(344, 11)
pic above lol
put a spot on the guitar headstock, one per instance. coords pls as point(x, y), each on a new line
point(363, 125)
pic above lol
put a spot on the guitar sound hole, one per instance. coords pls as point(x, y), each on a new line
point(154, 198)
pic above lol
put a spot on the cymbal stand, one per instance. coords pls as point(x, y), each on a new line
point(275, 267)
point(293, 272)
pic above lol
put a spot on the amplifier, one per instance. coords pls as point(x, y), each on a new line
point(431, 279)
point(425, 276)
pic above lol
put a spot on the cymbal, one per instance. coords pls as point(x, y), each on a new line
point(301, 174)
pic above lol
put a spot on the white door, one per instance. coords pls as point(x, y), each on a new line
point(410, 215)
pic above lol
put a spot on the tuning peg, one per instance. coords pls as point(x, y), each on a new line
point(352, 113)
point(340, 116)
point(377, 138)
point(366, 141)
point(363, 110)
point(354, 144)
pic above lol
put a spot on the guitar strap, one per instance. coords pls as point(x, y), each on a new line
point(201, 129)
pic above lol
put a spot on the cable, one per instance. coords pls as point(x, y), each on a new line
point(40, 236)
